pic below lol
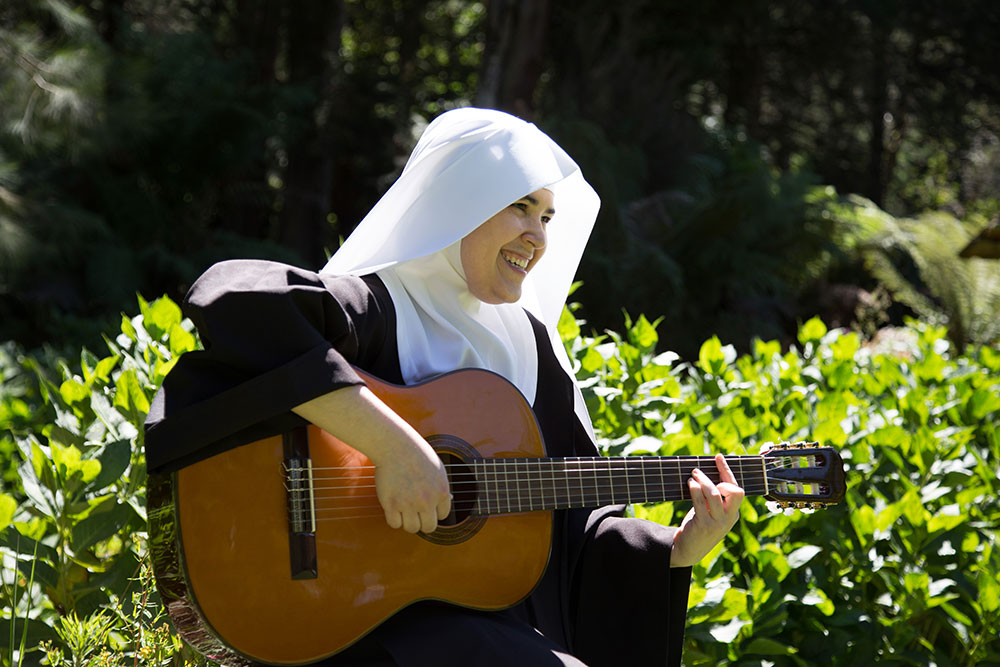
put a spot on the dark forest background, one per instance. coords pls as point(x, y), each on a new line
point(759, 161)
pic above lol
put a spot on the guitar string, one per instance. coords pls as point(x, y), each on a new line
point(527, 461)
point(515, 477)
point(529, 495)
point(529, 470)
point(470, 505)
point(375, 510)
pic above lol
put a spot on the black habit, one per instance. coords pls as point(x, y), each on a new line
point(276, 336)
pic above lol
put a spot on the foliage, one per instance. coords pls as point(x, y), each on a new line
point(906, 569)
point(917, 259)
point(75, 541)
point(140, 143)
point(729, 251)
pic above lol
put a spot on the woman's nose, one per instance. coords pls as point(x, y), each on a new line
point(535, 232)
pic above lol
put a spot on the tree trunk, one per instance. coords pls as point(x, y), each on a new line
point(313, 39)
point(516, 34)
point(878, 107)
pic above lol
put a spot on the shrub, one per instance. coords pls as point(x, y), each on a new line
point(73, 546)
point(906, 568)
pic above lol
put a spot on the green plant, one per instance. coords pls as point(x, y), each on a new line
point(906, 568)
point(917, 260)
point(80, 527)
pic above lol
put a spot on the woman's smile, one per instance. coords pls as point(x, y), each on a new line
point(497, 255)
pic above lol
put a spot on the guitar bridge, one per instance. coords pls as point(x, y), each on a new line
point(301, 506)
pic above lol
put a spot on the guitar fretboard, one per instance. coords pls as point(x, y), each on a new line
point(506, 486)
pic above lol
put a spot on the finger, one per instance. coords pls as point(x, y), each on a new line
point(394, 519)
point(428, 522)
point(411, 522)
point(444, 508)
point(732, 499)
point(731, 491)
point(725, 472)
point(697, 497)
point(714, 500)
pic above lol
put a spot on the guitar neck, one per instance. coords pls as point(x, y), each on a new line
point(506, 486)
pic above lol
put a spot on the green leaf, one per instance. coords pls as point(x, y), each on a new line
point(845, 347)
point(66, 459)
point(728, 632)
point(592, 361)
point(711, 358)
point(130, 398)
point(114, 460)
point(160, 316)
point(182, 341)
point(73, 392)
point(818, 598)
point(7, 508)
point(983, 402)
point(764, 646)
point(643, 334)
point(812, 331)
point(989, 591)
point(802, 555)
point(105, 366)
point(100, 525)
point(12, 538)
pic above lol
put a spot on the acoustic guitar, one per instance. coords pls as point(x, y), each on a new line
point(277, 552)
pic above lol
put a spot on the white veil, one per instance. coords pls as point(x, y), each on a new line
point(468, 165)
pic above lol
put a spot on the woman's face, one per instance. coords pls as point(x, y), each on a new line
point(498, 254)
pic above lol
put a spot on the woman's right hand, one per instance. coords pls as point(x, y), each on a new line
point(412, 487)
point(410, 479)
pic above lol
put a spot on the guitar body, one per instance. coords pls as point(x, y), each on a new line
point(221, 549)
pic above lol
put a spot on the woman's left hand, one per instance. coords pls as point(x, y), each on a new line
point(716, 509)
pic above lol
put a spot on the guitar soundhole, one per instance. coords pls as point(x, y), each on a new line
point(462, 479)
point(463, 522)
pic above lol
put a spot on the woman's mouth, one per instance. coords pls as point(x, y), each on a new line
point(516, 262)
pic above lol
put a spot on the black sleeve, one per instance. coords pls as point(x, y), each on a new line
point(629, 607)
point(622, 602)
point(274, 337)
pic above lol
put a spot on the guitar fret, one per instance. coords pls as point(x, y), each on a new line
point(496, 478)
point(628, 486)
point(597, 485)
point(477, 508)
point(569, 495)
point(539, 484)
point(517, 486)
point(645, 491)
point(555, 497)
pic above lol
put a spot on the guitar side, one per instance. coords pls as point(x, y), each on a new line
point(220, 536)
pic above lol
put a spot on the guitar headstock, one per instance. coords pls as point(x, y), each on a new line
point(804, 475)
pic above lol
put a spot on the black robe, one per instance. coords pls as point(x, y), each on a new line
point(276, 336)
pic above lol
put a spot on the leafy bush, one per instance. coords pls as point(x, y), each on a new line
point(906, 568)
point(72, 537)
point(917, 259)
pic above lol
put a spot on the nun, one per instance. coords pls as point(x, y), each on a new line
point(465, 262)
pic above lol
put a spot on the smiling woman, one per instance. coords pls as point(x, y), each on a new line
point(456, 267)
point(499, 253)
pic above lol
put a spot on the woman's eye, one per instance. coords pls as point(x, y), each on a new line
point(520, 205)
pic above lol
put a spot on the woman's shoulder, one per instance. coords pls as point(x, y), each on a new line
point(234, 276)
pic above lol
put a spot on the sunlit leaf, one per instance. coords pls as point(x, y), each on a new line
point(812, 331)
point(7, 508)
